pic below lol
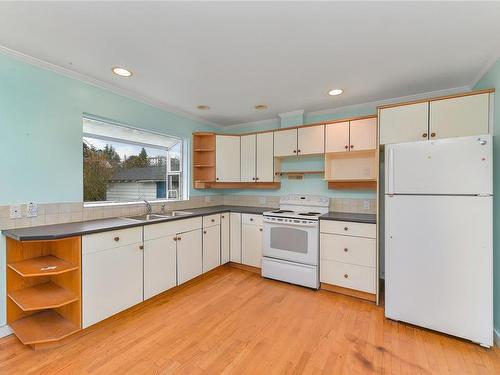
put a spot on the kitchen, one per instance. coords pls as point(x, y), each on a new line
point(355, 235)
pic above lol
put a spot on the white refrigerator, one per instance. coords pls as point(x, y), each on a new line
point(439, 236)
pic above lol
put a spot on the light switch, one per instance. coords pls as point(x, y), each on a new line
point(32, 210)
point(15, 211)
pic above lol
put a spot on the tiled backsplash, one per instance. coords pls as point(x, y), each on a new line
point(57, 213)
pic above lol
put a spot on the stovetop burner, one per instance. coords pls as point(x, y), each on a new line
point(310, 213)
point(281, 211)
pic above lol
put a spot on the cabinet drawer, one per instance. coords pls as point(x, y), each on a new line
point(158, 230)
point(348, 275)
point(347, 249)
point(348, 228)
point(251, 219)
point(108, 240)
point(211, 220)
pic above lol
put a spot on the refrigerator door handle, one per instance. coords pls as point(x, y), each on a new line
point(390, 171)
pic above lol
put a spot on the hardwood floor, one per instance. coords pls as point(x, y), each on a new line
point(234, 322)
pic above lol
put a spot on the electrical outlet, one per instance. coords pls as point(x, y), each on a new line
point(262, 200)
point(366, 204)
point(208, 198)
point(32, 210)
point(15, 211)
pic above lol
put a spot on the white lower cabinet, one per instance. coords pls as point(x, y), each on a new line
point(189, 255)
point(211, 247)
point(251, 240)
point(112, 273)
point(160, 258)
point(348, 255)
point(224, 237)
point(235, 237)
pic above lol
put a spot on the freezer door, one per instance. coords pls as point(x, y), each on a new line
point(439, 264)
point(459, 166)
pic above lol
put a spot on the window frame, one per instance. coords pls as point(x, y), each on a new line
point(183, 176)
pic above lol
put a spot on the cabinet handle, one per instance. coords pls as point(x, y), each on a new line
point(251, 219)
point(346, 249)
point(260, 229)
point(175, 238)
point(424, 135)
point(213, 220)
point(298, 150)
point(256, 179)
point(253, 178)
point(433, 135)
point(352, 146)
point(346, 147)
point(346, 275)
point(217, 178)
point(141, 247)
point(294, 151)
point(204, 232)
point(222, 217)
point(179, 238)
point(117, 239)
point(346, 228)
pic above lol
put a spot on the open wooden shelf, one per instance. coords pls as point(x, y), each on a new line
point(204, 166)
point(352, 170)
point(204, 149)
point(42, 327)
point(42, 296)
point(203, 158)
point(367, 184)
point(42, 266)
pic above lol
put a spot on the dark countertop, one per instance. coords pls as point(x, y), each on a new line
point(52, 232)
point(56, 231)
point(348, 216)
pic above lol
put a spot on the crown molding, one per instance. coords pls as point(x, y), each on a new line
point(400, 99)
point(489, 64)
point(298, 112)
point(103, 85)
point(270, 121)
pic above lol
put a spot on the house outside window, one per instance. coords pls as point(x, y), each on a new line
point(123, 164)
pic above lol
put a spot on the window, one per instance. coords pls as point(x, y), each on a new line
point(123, 164)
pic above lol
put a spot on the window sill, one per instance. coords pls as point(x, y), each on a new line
point(134, 203)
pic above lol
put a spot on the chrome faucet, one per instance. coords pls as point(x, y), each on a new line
point(149, 209)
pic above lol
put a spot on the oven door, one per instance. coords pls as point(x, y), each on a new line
point(296, 242)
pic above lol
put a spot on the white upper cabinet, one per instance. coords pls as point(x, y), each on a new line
point(405, 123)
point(227, 156)
point(311, 140)
point(265, 157)
point(337, 137)
point(285, 142)
point(459, 117)
point(363, 134)
point(248, 148)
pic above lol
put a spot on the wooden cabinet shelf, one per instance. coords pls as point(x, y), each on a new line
point(204, 166)
point(43, 327)
point(42, 266)
point(42, 296)
point(204, 149)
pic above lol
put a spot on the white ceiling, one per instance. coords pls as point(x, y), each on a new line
point(232, 56)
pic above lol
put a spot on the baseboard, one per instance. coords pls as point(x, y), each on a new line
point(5, 331)
point(496, 338)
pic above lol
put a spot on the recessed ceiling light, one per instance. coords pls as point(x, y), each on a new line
point(203, 107)
point(261, 106)
point(335, 92)
point(121, 71)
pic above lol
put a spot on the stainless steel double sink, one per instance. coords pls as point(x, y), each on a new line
point(154, 217)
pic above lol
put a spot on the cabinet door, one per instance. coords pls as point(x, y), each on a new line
point(189, 256)
point(235, 237)
point(224, 237)
point(159, 265)
point(227, 158)
point(337, 137)
point(311, 140)
point(265, 157)
point(406, 123)
point(248, 158)
point(211, 248)
point(363, 134)
point(459, 117)
point(285, 142)
point(251, 245)
point(112, 281)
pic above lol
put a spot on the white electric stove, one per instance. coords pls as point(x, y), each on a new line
point(291, 240)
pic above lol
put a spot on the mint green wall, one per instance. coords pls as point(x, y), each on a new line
point(489, 80)
point(41, 130)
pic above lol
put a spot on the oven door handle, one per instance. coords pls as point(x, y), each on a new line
point(280, 224)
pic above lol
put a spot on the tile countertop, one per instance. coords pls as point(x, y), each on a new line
point(56, 231)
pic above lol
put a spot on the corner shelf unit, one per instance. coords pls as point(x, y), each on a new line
point(44, 289)
point(203, 159)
